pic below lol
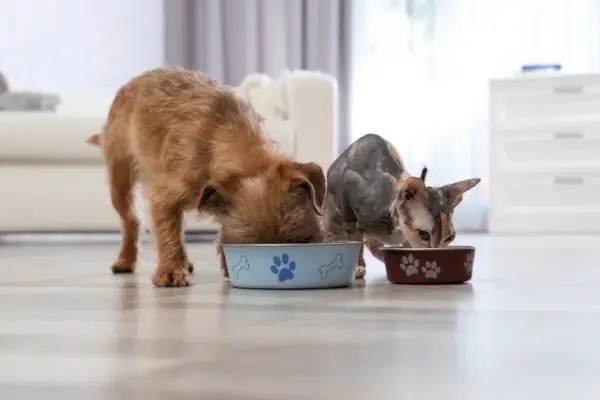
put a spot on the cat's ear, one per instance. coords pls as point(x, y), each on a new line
point(411, 188)
point(454, 191)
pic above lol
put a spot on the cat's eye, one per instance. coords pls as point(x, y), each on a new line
point(424, 235)
point(450, 237)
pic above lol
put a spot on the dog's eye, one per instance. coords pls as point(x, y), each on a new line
point(424, 235)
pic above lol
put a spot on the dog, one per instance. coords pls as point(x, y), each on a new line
point(193, 144)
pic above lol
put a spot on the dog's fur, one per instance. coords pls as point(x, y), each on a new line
point(194, 144)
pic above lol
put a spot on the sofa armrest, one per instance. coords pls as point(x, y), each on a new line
point(313, 112)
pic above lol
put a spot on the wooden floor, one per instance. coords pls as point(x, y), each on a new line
point(528, 327)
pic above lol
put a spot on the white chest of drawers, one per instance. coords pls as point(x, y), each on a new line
point(545, 154)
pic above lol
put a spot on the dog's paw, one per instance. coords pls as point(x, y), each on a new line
point(123, 267)
point(224, 271)
point(361, 271)
point(175, 278)
point(223, 266)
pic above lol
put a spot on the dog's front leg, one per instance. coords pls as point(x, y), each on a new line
point(172, 267)
point(222, 261)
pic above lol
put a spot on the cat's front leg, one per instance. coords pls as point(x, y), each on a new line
point(374, 247)
point(361, 267)
point(355, 236)
point(340, 232)
point(341, 224)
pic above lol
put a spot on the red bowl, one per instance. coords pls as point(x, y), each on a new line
point(448, 265)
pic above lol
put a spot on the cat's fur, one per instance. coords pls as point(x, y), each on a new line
point(371, 198)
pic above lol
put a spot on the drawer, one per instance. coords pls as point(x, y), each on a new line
point(548, 149)
point(564, 223)
point(536, 101)
point(551, 191)
point(545, 203)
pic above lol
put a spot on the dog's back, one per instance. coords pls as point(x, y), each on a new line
point(169, 125)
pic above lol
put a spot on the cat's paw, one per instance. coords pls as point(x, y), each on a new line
point(361, 271)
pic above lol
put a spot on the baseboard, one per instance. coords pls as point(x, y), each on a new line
point(90, 237)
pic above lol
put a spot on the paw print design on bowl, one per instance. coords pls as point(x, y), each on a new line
point(431, 270)
point(410, 265)
point(469, 263)
point(283, 267)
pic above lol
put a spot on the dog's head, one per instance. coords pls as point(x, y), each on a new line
point(282, 204)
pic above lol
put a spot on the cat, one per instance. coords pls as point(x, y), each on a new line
point(371, 198)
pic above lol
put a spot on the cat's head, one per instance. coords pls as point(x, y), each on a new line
point(424, 214)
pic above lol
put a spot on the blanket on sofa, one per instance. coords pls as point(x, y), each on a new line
point(25, 101)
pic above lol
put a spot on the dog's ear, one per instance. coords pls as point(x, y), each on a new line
point(303, 184)
point(213, 199)
point(95, 140)
point(314, 174)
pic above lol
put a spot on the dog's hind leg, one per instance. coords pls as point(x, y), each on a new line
point(121, 178)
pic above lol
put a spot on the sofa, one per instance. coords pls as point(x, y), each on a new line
point(54, 182)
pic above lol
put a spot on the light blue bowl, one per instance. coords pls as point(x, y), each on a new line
point(292, 266)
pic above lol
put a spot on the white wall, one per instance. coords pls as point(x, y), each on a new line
point(78, 46)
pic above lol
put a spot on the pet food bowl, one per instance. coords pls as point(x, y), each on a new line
point(448, 265)
point(291, 266)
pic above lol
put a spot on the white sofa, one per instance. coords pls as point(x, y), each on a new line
point(52, 181)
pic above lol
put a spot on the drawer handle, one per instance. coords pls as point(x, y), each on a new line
point(568, 89)
point(569, 180)
point(568, 135)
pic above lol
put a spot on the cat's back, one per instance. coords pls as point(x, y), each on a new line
point(368, 154)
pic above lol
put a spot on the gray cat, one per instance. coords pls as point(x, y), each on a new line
point(372, 199)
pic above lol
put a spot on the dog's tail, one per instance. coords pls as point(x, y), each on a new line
point(96, 140)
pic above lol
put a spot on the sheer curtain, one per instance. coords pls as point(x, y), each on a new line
point(421, 71)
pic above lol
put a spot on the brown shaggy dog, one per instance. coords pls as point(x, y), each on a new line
point(194, 144)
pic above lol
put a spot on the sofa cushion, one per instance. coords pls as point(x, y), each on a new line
point(48, 137)
point(61, 136)
point(31, 136)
